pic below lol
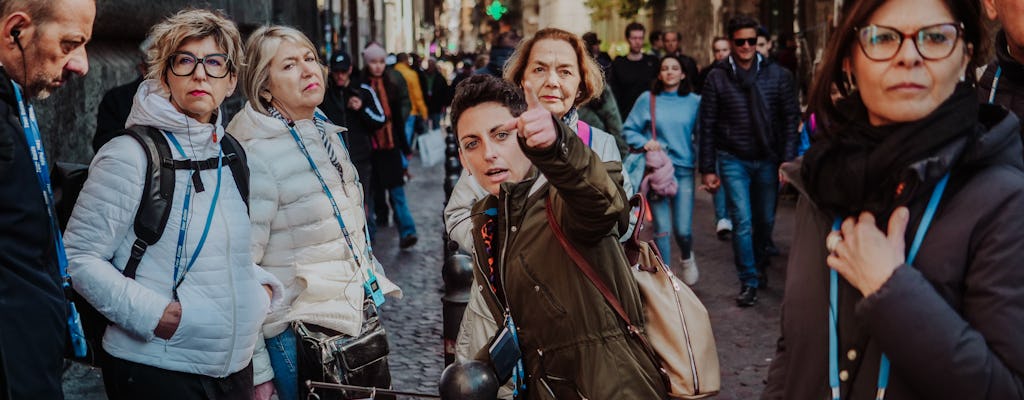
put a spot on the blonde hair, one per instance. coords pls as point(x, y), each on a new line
point(259, 52)
point(186, 25)
point(591, 78)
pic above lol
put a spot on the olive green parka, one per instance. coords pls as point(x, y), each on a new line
point(572, 341)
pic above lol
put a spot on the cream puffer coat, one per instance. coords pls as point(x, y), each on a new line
point(295, 235)
point(222, 303)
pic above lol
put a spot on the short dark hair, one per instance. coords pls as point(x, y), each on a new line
point(741, 22)
point(718, 38)
point(41, 11)
point(841, 45)
point(479, 89)
point(762, 32)
point(634, 26)
point(402, 57)
point(655, 35)
point(685, 86)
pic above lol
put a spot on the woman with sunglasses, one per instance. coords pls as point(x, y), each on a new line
point(904, 279)
point(186, 326)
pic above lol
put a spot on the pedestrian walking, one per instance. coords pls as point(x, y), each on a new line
point(34, 331)
point(723, 225)
point(748, 126)
point(550, 312)
point(673, 46)
point(910, 157)
point(663, 119)
point(390, 146)
point(439, 94)
point(419, 112)
point(632, 73)
point(351, 103)
point(185, 327)
point(309, 224)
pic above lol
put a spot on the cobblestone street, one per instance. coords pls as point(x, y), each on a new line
point(745, 337)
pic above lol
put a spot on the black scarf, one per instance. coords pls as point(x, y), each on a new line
point(858, 167)
point(761, 119)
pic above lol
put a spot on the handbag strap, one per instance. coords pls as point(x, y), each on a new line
point(654, 125)
point(588, 270)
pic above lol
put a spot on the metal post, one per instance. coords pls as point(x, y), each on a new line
point(457, 271)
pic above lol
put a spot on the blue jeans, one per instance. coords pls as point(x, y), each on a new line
point(673, 216)
point(403, 217)
point(720, 211)
point(410, 128)
point(751, 187)
point(284, 359)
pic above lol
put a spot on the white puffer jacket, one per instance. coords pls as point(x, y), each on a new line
point(223, 303)
point(295, 234)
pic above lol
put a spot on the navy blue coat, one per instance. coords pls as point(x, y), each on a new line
point(726, 122)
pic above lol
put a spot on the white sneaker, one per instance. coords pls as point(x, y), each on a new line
point(690, 272)
point(724, 224)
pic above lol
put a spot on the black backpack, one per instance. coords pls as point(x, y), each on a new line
point(151, 218)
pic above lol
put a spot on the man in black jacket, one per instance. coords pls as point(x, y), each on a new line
point(42, 45)
point(355, 106)
point(748, 126)
point(1008, 89)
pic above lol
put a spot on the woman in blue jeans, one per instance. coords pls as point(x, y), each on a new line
point(675, 114)
point(308, 222)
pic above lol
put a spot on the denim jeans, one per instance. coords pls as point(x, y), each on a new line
point(284, 359)
point(673, 216)
point(403, 217)
point(410, 129)
point(721, 212)
point(751, 188)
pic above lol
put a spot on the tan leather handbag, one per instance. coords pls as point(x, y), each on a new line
point(678, 331)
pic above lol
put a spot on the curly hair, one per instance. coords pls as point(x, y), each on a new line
point(191, 24)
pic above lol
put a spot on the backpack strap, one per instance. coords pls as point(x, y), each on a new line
point(236, 160)
point(582, 127)
point(588, 270)
point(157, 194)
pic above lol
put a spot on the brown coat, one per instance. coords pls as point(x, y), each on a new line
point(566, 329)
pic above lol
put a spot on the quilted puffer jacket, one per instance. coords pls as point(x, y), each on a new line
point(726, 122)
point(223, 304)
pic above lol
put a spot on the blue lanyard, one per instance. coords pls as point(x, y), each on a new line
point(833, 295)
point(371, 277)
point(184, 219)
point(995, 85)
point(30, 125)
point(35, 143)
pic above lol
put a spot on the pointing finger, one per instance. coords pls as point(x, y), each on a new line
point(510, 125)
point(531, 97)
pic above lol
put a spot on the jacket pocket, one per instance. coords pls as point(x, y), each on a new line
point(541, 289)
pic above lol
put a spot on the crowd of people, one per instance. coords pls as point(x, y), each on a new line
point(259, 271)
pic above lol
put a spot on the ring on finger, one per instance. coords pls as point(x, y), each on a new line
point(832, 241)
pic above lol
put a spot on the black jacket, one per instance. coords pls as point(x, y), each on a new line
point(628, 79)
point(1010, 91)
point(33, 311)
point(361, 123)
point(726, 122)
point(436, 91)
point(950, 323)
point(113, 112)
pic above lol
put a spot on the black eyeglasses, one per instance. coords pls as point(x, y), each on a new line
point(215, 65)
point(749, 41)
point(933, 42)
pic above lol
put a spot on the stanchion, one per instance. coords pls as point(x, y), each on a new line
point(457, 270)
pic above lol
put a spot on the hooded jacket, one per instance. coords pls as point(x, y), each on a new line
point(478, 325)
point(951, 323)
point(566, 329)
point(727, 118)
point(361, 123)
point(222, 302)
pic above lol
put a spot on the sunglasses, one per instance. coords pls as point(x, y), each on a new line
point(749, 41)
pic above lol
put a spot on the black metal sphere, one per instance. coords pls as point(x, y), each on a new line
point(457, 271)
point(472, 380)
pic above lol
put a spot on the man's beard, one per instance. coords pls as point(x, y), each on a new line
point(40, 86)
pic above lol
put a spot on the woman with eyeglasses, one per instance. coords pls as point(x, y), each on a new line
point(185, 325)
point(905, 279)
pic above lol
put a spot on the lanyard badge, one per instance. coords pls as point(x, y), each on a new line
point(372, 289)
point(30, 126)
